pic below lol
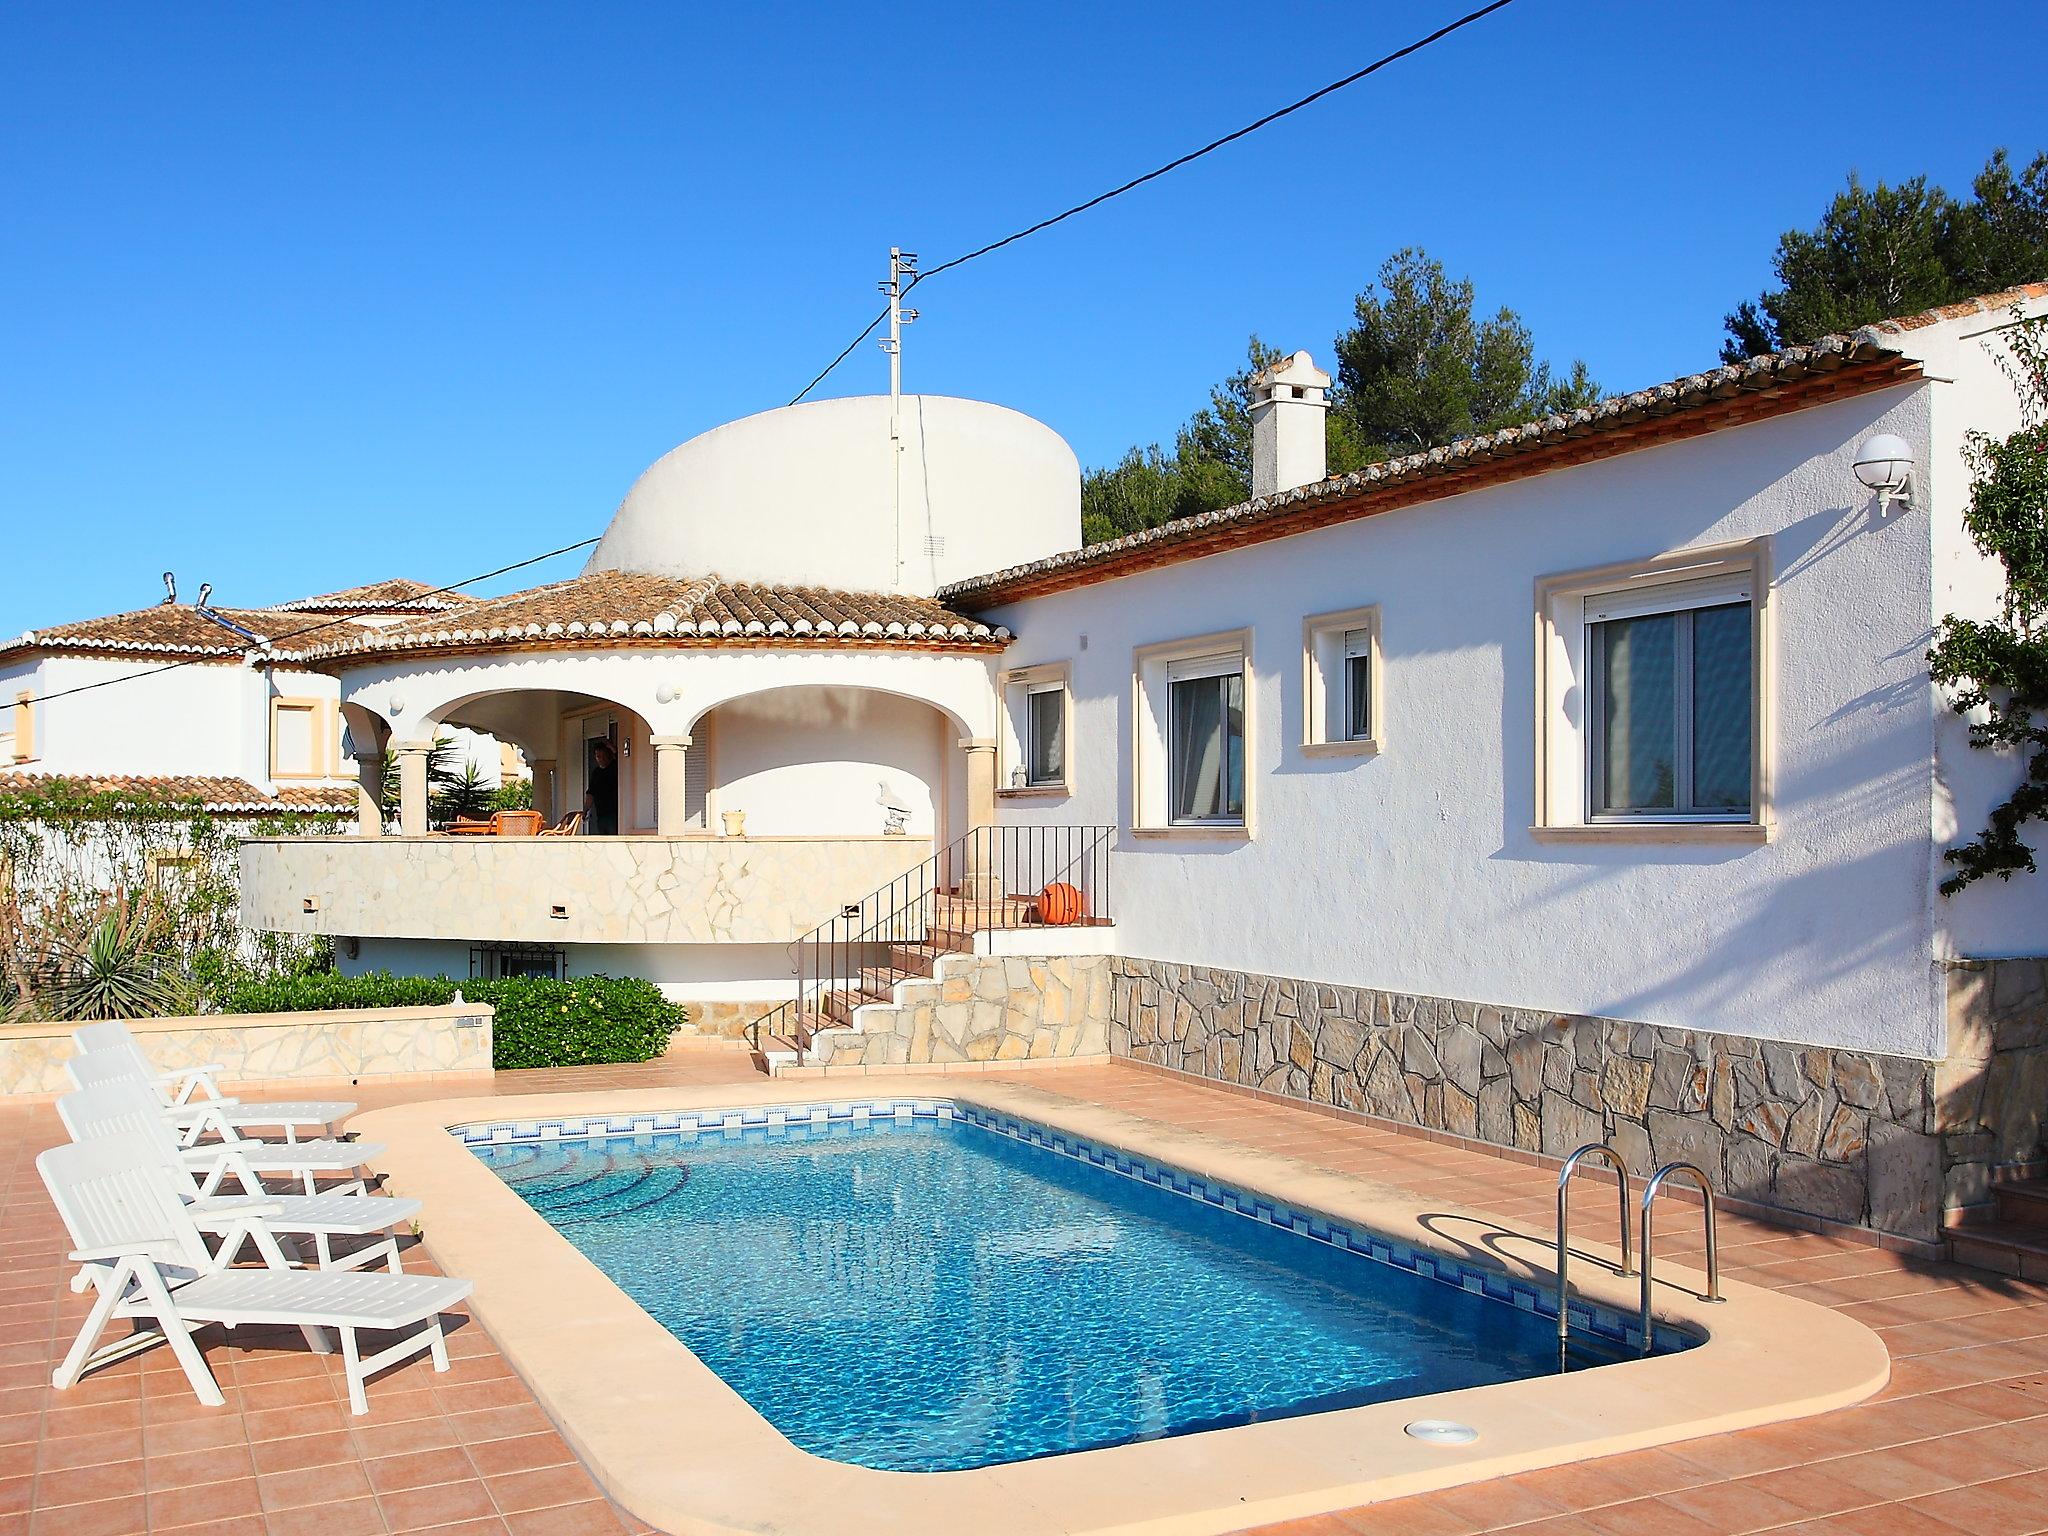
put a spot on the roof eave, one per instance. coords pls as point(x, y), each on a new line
point(1836, 369)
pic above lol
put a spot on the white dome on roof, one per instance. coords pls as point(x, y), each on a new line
point(803, 496)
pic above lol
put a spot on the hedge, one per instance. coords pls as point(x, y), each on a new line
point(539, 1023)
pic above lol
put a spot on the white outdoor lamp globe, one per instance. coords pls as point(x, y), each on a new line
point(1884, 463)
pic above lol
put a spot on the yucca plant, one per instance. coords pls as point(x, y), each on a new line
point(119, 965)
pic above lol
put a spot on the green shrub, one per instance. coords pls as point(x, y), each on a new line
point(539, 1022)
point(330, 989)
point(545, 1023)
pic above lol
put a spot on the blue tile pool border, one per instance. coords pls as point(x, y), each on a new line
point(1603, 1323)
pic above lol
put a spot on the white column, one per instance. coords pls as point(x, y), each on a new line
point(671, 807)
point(369, 794)
point(544, 787)
point(982, 878)
point(412, 786)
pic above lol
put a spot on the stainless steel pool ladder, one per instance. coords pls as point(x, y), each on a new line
point(1564, 1220)
point(1650, 1193)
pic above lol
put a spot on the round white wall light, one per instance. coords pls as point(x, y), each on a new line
point(397, 705)
point(665, 694)
point(1440, 1432)
point(1884, 463)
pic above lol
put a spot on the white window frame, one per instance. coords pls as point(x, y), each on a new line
point(1567, 606)
point(1326, 686)
point(1154, 669)
point(1014, 741)
point(317, 734)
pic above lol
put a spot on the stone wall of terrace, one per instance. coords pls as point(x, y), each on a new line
point(570, 890)
point(252, 1048)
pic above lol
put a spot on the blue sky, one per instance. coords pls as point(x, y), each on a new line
point(299, 297)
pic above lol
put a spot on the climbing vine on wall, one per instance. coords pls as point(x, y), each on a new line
point(116, 900)
point(1997, 669)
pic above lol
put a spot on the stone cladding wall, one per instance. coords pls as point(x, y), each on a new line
point(1991, 1094)
point(1845, 1135)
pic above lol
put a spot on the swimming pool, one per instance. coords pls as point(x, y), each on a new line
point(926, 1286)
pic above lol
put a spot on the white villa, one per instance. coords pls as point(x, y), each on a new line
point(1582, 780)
point(206, 711)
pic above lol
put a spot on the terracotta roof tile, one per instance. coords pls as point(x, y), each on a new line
point(399, 595)
point(185, 631)
point(629, 608)
point(215, 793)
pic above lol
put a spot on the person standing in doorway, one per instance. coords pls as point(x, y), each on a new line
point(601, 791)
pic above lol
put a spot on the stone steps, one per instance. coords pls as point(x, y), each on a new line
point(2018, 1248)
point(2023, 1202)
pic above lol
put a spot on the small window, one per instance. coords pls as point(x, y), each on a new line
point(1045, 753)
point(1033, 739)
point(21, 733)
point(1341, 668)
point(496, 962)
point(1205, 767)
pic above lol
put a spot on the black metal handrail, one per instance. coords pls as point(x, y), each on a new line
point(991, 877)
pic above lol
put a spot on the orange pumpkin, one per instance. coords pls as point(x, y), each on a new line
point(1060, 904)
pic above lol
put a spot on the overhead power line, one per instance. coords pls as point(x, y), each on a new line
point(1153, 175)
point(310, 629)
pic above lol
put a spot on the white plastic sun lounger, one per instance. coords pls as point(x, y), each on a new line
point(146, 1258)
point(115, 1109)
point(301, 1160)
point(109, 1048)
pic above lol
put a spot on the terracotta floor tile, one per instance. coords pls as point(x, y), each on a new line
point(1989, 1509)
point(570, 1520)
point(332, 1484)
point(204, 1502)
point(90, 1450)
point(542, 1488)
point(1648, 1517)
point(417, 1509)
point(420, 1469)
point(352, 1517)
point(187, 1469)
point(110, 1517)
point(520, 1453)
point(301, 1451)
point(85, 1485)
point(1735, 1506)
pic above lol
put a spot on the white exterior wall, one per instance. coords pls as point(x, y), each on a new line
point(201, 719)
point(813, 761)
point(1416, 870)
point(699, 972)
point(1992, 917)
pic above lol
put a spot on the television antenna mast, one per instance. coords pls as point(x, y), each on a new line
point(902, 278)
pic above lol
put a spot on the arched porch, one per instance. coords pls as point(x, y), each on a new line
point(757, 743)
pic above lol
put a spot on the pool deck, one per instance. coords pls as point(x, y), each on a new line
point(1957, 1441)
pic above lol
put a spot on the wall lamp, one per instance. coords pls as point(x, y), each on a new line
point(1884, 463)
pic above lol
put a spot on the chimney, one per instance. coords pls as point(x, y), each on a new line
point(1288, 403)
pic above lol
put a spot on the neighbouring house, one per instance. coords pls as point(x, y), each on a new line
point(237, 729)
point(1578, 781)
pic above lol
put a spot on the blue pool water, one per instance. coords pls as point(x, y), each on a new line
point(930, 1294)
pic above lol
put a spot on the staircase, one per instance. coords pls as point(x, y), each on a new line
point(900, 932)
point(2010, 1236)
